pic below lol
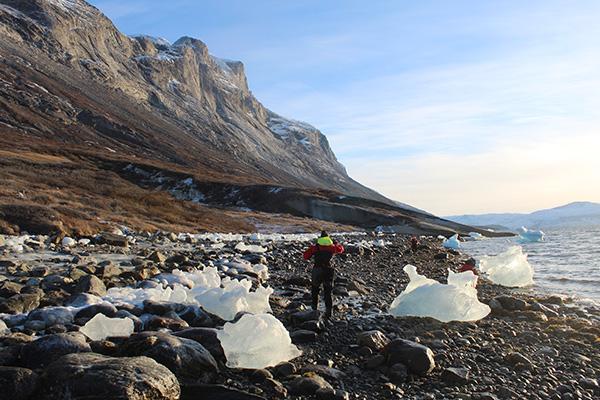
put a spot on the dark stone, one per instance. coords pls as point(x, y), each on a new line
point(157, 257)
point(8, 288)
point(323, 370)
point(20, 303)
point(315, 326)
point(94, 376)
point(113, 240)
point(303, 316)
point(47, 349)
point(157, 322)
point(299, 280)
point(417, 358)
point(197, 317)
point(90, 284)
point(512, 303)
point(375, 340)
point(284, 369)
point(308, 385)
point(303, 336)
point(441, 256)
point(186, 358)
point(455, 376)
point(17, 383)
point(207, 337)
point(103, 308)
point(161, 308)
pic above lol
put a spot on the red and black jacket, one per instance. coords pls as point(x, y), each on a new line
point(323, 254)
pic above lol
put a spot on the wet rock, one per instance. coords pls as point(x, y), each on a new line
point(90, 284)
point(303, 316)
point(157, 322)
point(188, 359)
point(103, 308)
point(303, 336)
point(157, 257)
point(417, 358)
point(8, 289)
point(315, 326)
point(215, 392)
point(398, 373)
point(284, 369)
point(308, 385)
point(17, 383)
point(512, 303)
point(455, 376)
point(325, 371)
point(375, 340)
point(113, 240)
point(207, 337)
point(95, 376)
point(47, 349)
point(20, 303)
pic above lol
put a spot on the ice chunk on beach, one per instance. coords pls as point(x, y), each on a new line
point(452, 243)
point(424, 297)
point(251, 248)
point(100, 327)
point(136, 296)
point(509, 268)
point(233, 297)
point(476, 236)
point(526, 235)
point(256, 342)
point(68, 242)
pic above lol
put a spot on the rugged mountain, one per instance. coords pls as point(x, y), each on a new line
point(100, 127)
point(570, 215)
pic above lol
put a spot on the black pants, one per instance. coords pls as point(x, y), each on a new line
point(322, 276)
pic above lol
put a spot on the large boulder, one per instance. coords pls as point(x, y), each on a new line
point(417, 358)
point(186, 358)
point(47, 349)
point(93, 377)
point(17, 383)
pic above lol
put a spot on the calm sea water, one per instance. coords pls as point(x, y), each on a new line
point(567, 262)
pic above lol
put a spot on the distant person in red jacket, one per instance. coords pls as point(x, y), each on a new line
point(414, 244)
point(323, 272)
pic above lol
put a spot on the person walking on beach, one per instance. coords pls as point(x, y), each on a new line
point(323, 272)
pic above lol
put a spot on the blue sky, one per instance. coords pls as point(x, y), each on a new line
point(451, 106)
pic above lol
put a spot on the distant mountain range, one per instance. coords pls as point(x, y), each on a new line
point(581, 213)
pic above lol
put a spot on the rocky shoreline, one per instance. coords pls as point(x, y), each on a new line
point(531, 346)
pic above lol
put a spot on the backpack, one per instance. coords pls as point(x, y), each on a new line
point(322, 258)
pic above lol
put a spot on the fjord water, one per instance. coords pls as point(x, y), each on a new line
point(567, 262)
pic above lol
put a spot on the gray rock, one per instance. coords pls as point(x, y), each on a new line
point(417, 358)
point(103, 308)
point(512, 303)
point(207, 337)
point(186, 358)
point(17, 383)
point(455, 376)
point(375, 340)
point(284, 369)
point(94, 376)
point(113, 240)
point(308, 385)
point(20, 303)
point(325, 371)
point(47, 349)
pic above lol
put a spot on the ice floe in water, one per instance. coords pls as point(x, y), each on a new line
point(256, 342)
point(424, 297)
point(233, 297)
point(509, 268)
point(452, 243)
point(100, 327)
point(527, 235)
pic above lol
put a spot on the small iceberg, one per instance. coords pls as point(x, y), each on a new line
point(452, 243)
point(509, 268)
point(256, 342)
point(529, 236)
point(424, 297)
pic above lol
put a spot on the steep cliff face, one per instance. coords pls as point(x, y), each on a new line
point(98, 127)
point(206, 97)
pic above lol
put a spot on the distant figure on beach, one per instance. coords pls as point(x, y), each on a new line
point(469, 265)
point(323, 272)
point(414, 244)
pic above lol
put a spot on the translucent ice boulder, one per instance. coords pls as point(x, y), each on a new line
point(424, 297)
point(100, 327)
point(233, 297)
point(256, 342)
point(509, 268)
point(476, 236)
point(252, 248)
point(526, 235)
point(136, 296)
point(452, 243)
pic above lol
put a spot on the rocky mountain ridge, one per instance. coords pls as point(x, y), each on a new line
point(84, 106)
